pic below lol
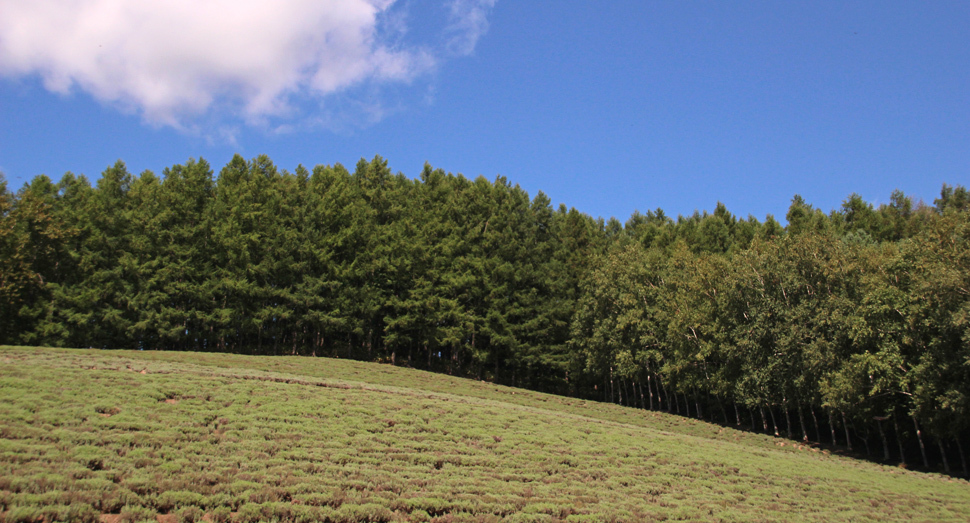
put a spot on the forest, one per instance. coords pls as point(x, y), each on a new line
point(850, 327)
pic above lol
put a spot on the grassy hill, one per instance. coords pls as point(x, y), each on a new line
point(152, 436)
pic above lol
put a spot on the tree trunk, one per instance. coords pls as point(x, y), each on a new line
point(787, 421)
point(899, 441)
point(687, 404)
point(676, 402)
point(764, 420)
point(922, 448)
point(370, 344)
point(963, 458)
point(946, 462)
point(832, 428)
point(845, 425)
point(662, 397)
point(885, 442)
point(818, 433)
point(496, 368)
point(737, 413)
point(612, 392)
point(774, 421)
point(697, 406)
point(801, 422)
point(650, 390)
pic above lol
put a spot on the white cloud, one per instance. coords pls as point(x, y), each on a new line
point(469, 22)
point(178, 61)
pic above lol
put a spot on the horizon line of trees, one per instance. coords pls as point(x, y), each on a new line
point(851, 327)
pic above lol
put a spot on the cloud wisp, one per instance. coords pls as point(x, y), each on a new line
point(180, 61)
point(468, 23)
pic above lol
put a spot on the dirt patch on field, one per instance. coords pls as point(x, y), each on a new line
point(107, 412)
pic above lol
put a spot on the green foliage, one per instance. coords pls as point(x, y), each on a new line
point(850, 320)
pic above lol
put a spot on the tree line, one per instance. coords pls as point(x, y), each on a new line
point(850, 327)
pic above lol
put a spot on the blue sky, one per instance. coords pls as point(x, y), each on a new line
point(608, 107)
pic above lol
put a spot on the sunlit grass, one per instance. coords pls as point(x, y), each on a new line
point(234, 438)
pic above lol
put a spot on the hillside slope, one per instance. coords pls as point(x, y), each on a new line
point(146, 436)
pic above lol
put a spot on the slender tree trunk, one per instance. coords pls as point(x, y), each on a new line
point(922, 447)
point(774, 421)
point(832, 428)
point(697, 405)
point(845, 425)
point(754, 419)
point(801, 422)
point(666, 397)
point(764, 420)
point(676, 402)
point(687, 404)
point(496, 368)
point(818, 433)
point(787, 421)
point(946, 462)
point(885, 442)
point(737, 414)
point(612, 392)
point(963, 457)
point(899, 442)
point(650, 390)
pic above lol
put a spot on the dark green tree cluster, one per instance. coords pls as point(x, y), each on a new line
point(851, 327)
point(442, 272)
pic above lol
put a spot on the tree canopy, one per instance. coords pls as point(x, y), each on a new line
point(851, 327)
